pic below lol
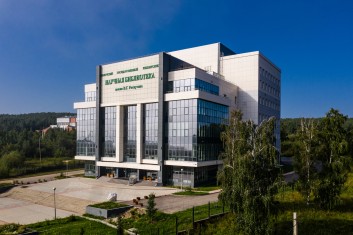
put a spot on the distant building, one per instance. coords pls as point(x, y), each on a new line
point(65, 123)
point(161, 114)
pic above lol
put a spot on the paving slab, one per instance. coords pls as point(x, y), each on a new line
point(98, 190)
point(22, 212)
point(35, 202)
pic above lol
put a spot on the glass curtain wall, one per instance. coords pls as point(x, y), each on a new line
point(182, 129)
point(86, 132)
point(194, 128)
point(130, 133)
point(150, 131)
point(191, 84)
point(210, 117)
point(109, 143)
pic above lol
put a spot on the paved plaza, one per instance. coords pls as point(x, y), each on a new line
point(35, 202)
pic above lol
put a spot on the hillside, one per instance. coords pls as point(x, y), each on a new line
point(31, 121)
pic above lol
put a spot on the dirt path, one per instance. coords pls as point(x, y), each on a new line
point(75, 205)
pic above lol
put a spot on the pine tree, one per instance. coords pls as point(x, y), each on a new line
point(151, 206)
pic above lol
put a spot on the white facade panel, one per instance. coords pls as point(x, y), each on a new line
point(205, 57)
point(84, 105)
point(130, 165)
point(130, 82)
point(242, 70)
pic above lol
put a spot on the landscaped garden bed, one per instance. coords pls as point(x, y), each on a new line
point(107, 209)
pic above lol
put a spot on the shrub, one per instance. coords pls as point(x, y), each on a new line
point(151, 206)
point(146, 197)
point(138, 198)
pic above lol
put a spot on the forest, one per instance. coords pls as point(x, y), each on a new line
point(25, 149)
point(289, 128)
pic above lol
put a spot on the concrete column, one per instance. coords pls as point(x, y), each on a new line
point(98, 118)
point(119, 133)
point(139, 133)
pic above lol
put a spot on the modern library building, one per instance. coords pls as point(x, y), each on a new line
point(160, 116)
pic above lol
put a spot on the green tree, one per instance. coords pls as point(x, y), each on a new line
point(333, 157)
point(306, 157)
point(151, 206)
point(10, 161)
point(250, 176)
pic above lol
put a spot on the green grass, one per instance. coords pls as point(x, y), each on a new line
point(71, 225)
point(311, 219)
point(166, 222)
point(2, 185)
point(12, 229)
point(191, 193)
point(207, 188)
point(47, 165)
point(108, 205)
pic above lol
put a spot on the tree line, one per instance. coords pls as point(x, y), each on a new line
point(31, 121)
point(289, 128)
point(21, 140)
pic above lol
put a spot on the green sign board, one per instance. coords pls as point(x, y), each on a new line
point(129, 78)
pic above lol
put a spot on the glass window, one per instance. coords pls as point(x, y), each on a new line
point(130, 133)
point(109, 142)
point(86, 132)
point(151, 131)
point(192, 84)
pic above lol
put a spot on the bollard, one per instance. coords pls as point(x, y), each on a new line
point(295, 226)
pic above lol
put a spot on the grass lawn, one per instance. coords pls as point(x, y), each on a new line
point(311, 219)
point(71, 225)
point(108, 205)
point(191, 193)
point(314, 220)
point(207, 188)
point(166, 222)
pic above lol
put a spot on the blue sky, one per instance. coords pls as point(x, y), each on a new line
point(49, 49)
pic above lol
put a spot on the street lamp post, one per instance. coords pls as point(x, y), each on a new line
point(54, 204)
point(40, 152)
point(181, 179)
